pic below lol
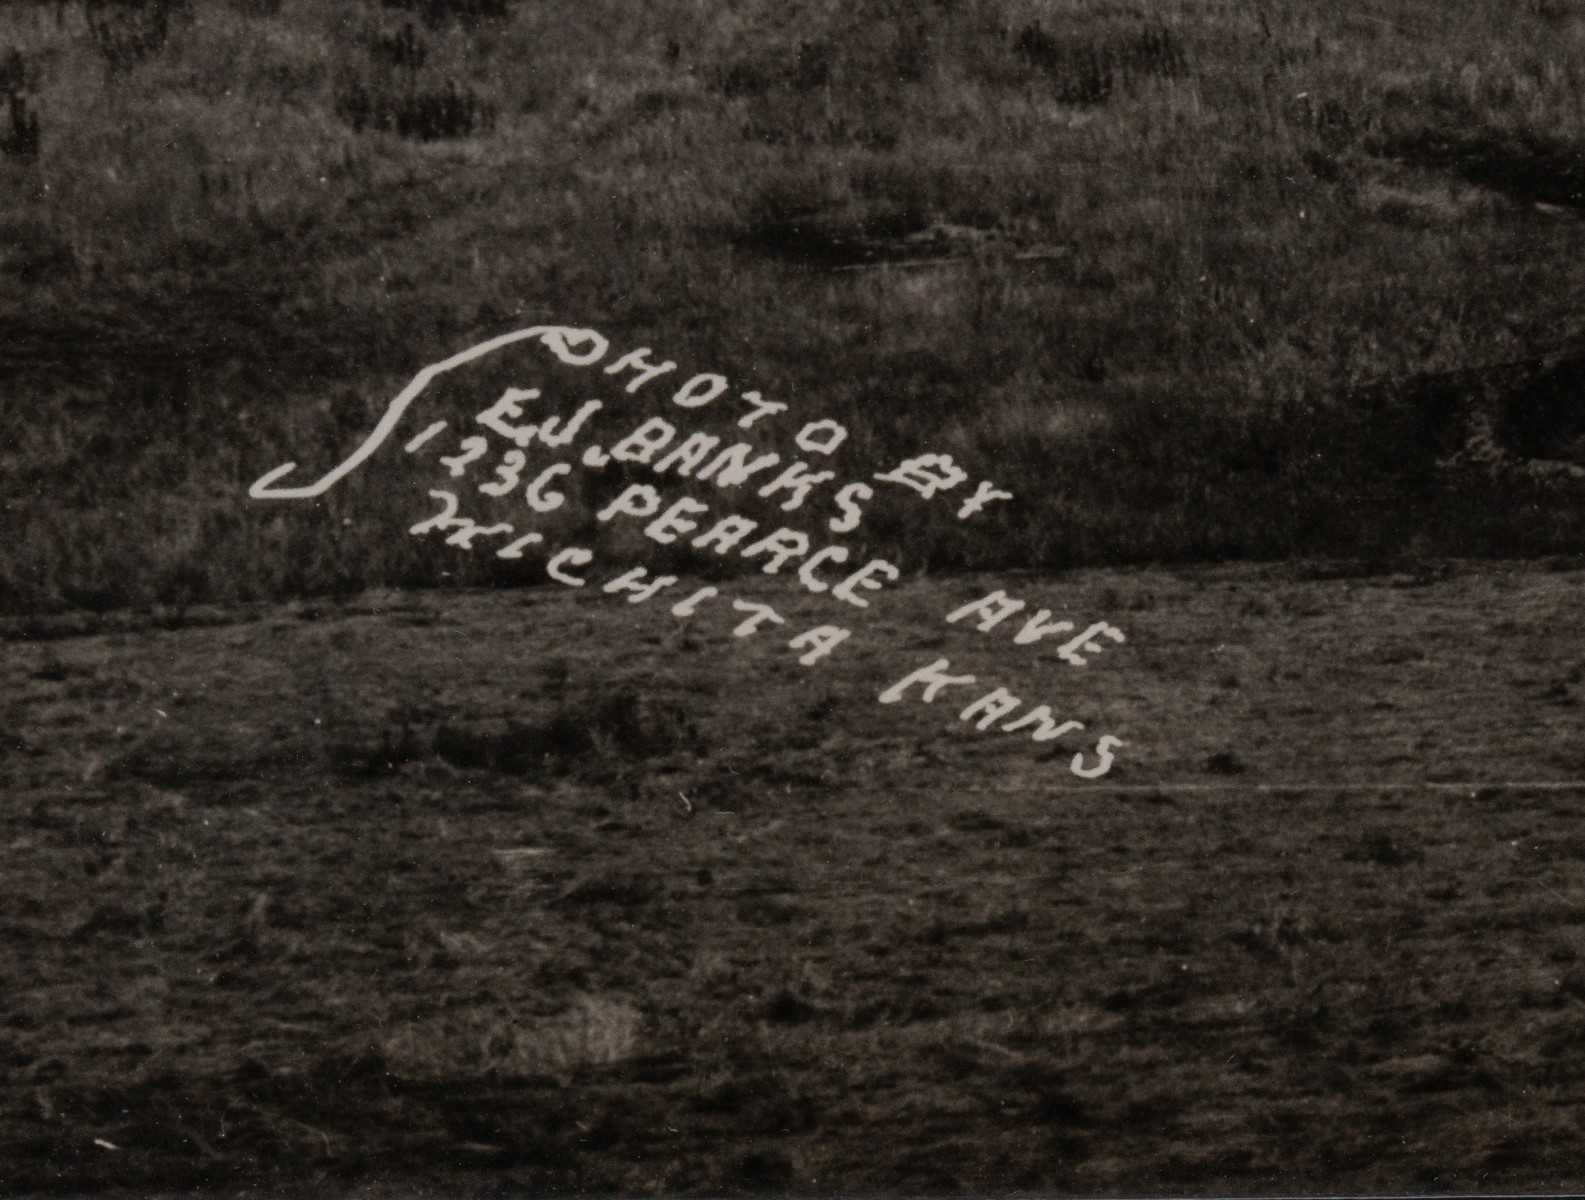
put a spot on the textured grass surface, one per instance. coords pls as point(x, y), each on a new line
point(264, 931)
point(1143, 263)
point(450, 889)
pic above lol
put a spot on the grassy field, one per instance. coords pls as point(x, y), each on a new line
point(336, 858)
point(329, 898)
point(1202, 280)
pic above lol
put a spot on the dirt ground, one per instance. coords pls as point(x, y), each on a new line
point(537, 890)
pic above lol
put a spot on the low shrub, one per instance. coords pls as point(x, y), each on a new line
point(17, 77)
point(595, 732)
point(435, 13)
point(403, 49)
point(1086, 69)
point(799, 68)
point(22, 140)
point(424, 114)
point(128, 32)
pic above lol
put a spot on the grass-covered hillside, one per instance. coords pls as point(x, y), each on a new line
point(1196, 280)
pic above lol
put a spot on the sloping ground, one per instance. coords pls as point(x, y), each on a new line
point(544, 891)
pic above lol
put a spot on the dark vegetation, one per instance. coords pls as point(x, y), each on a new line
point(1278, 280)
point(598, 735)
point(404, 48)
point(1085, 70)
point(129, 32)
point(402, 100)
point(1530, 168)
point(21, 140)
point(448, 112)
point(436, 13)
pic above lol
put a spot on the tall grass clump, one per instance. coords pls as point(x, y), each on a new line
point(20, 140)
point(401, 97)
point(427, 114)
point(436, 13)
point(128, 32)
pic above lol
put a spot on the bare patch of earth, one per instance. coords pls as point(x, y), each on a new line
point(547, 892)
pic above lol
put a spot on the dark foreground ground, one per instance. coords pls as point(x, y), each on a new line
point(541, 891)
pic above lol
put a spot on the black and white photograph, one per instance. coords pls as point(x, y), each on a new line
point(748, 598)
